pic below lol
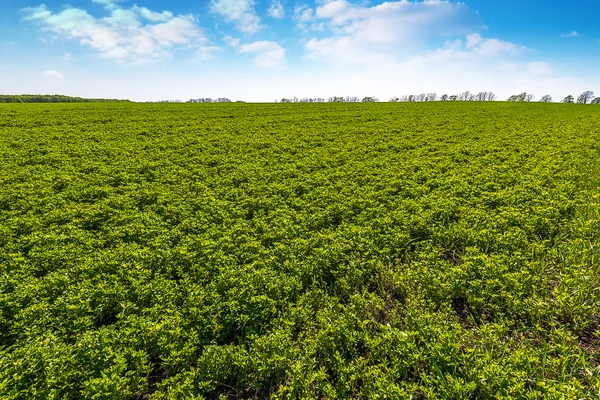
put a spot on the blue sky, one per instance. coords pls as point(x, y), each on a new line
point(269, 49)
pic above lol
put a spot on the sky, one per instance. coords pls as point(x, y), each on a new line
point(265, 50)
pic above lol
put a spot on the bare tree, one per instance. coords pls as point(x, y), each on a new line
point(444, 97)
point(453, 98)
point(596, 101)
point(529, 97)
point(585, 97)
point(546, 99)
point(485, 96)
point(464, 96)
point(394, 99)
point(431, 97)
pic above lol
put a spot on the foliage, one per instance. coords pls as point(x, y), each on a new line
point(521, 97)
point(55, 98)
point(353, 250)
point(585, 97)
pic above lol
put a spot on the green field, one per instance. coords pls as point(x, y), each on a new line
point(364, 251)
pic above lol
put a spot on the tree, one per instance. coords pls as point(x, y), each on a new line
point(520, 97)
point(546, 99)
point(585, 97)
point(453, 98)
point(444, 97)
point(464, 96)
point(481, 96)
point(431, 97)
point(369, 100)
point(485, 96)
point(394, 99)
point(595, 101)
point(568, 99)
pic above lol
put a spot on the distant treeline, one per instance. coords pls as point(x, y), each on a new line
point(586, 97)
point(53, 98)
point(201, 100)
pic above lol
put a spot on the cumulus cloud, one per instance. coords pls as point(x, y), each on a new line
point(134, 34)
point(303, 13)
point(268, 54)
point(108, 4)
point(231, 41)
point(239, 12)
point(305, 19)
point(276, 9)
point(53, 75)
point(359, 32)
point(152, 16)
point(492, 47)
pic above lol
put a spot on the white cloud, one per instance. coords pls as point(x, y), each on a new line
point(306, 20)
point(231, 41)
point(276, 9)
point(125, 34)
point(240, 12)
point(492, 47)
point(268, 54)
point(398, 27)
point(153, 16)
point(53, 75)
point(108, 4)
point(303, 13)
point(572, 34)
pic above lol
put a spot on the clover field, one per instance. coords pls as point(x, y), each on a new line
point(175, 251)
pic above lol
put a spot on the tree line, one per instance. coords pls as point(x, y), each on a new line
point(586, 97)
point(53, 98)
point(210, 100)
